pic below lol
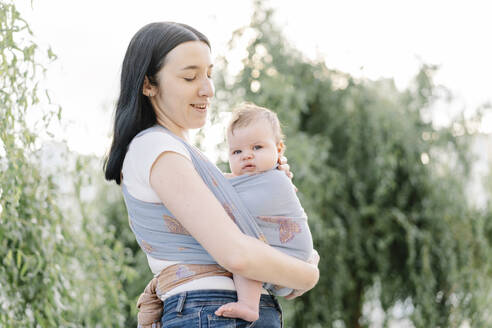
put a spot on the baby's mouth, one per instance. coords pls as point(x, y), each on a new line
point(249, 167)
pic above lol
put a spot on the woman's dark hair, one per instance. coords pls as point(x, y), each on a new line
point(145, 56)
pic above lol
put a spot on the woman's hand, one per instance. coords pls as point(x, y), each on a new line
point(283, 166)
point(314, 259)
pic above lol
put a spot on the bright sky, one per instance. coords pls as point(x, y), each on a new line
point(373, 39)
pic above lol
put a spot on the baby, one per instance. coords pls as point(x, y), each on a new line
point(255, 144)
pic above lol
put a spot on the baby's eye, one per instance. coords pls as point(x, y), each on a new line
point(236, 152)
point(257, 147)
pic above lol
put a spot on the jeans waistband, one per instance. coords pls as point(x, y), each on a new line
point(210, 297)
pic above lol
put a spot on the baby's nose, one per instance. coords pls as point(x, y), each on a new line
point(247, 155)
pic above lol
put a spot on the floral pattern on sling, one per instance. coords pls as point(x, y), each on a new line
point(287, 227)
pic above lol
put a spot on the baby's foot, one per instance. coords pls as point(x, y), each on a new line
point(238, 310)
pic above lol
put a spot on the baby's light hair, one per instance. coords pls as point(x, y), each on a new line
point(248, 113)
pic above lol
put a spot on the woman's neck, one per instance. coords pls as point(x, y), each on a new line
point(175, 129)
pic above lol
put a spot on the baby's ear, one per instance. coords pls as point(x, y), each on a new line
point(280, 148)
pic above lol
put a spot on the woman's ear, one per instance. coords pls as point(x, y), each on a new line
point(148, 89)
point(281, 148)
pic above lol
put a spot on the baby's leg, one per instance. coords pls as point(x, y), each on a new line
point(247, 306)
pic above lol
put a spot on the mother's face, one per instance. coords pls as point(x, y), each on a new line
point(182, 98)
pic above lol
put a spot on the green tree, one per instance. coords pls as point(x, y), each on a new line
point(383, 188)
point(61, 263)
point(104, 212)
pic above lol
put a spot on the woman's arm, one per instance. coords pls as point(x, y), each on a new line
point(182, 190)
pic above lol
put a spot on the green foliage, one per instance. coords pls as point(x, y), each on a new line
point(383, 189)
point(61, 263)
point(32, 279)
point(120, 262)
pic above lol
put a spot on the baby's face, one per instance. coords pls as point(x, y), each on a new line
point(253, 149)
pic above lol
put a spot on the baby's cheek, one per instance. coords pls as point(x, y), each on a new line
point(231, 164)
point(276, 158)
point(234, 165)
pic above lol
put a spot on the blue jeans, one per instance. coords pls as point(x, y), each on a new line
point(195, 309)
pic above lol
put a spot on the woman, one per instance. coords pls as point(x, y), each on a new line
point(166, 89)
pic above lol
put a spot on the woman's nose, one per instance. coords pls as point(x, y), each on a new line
point(207, 88)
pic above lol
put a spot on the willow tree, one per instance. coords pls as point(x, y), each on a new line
point(60, 263)
point(383, 188)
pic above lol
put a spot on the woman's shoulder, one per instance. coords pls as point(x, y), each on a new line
point(154, 132)
point(146, 147)
point(155, 140)
point(142, 152)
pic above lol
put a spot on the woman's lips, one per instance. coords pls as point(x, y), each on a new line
point(202, 108)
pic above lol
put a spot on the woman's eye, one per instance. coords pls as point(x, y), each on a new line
point(235, 152)
point(189, 79)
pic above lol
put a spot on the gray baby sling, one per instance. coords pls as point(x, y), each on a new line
point(263, 206)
